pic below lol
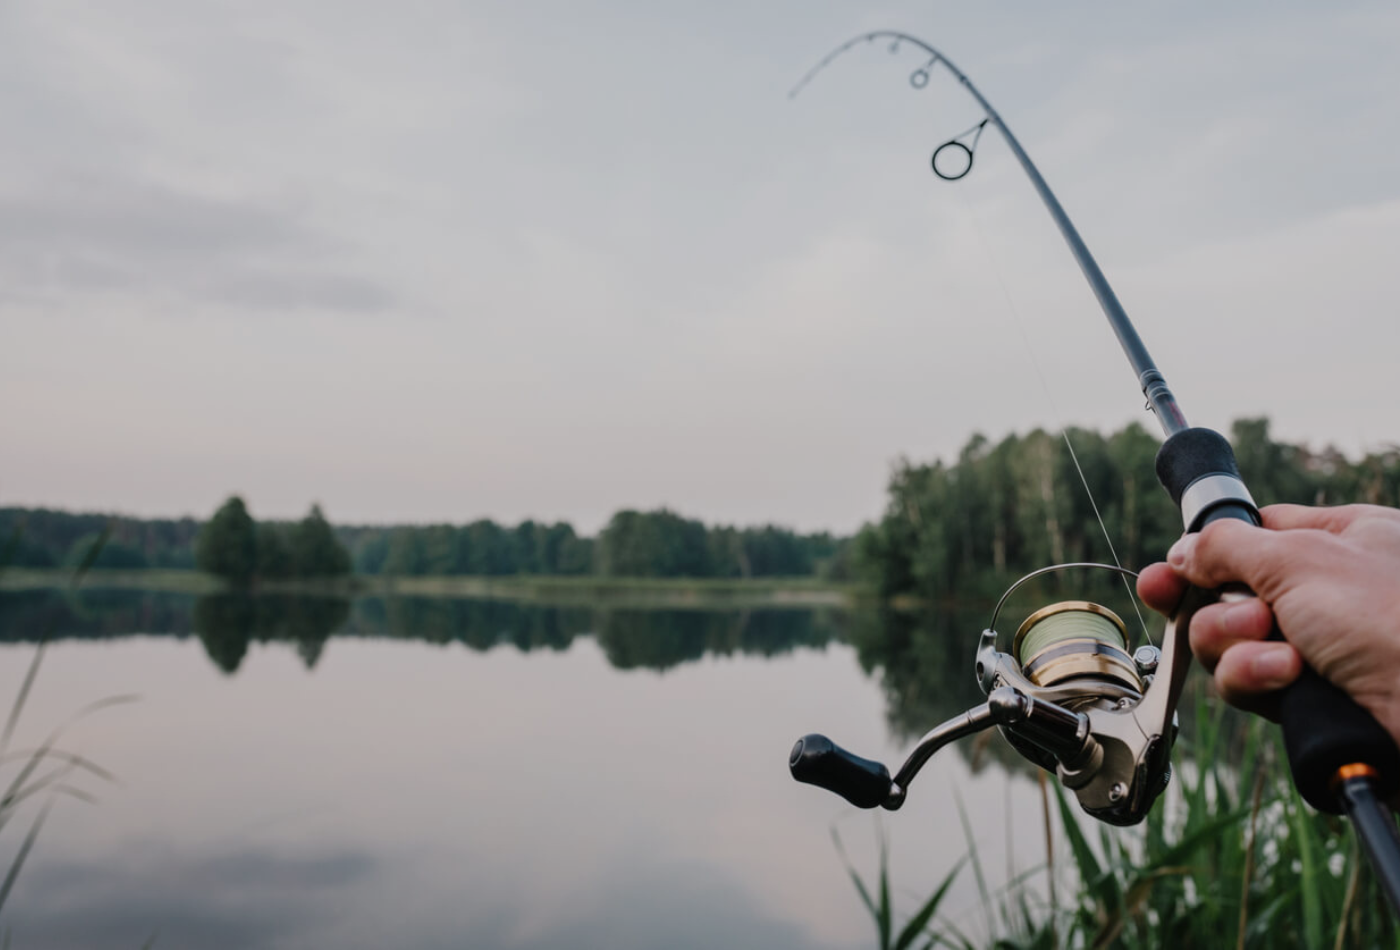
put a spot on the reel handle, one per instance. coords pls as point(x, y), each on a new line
point(1324, 729)
point(818, 761)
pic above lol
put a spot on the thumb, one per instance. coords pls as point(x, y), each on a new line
point(1234, 551)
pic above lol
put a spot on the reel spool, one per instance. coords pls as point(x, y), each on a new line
point(1074, 653)
point(1073, 640)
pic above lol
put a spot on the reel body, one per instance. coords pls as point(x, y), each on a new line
point(1072, 642)
point(1070, 696)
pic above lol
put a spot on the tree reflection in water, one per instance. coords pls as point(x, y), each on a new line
point(923, 659)
point(227, 623)
point(660, 639)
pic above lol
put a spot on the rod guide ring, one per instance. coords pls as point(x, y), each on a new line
point(952, 143)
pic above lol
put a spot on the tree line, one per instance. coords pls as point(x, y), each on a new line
point(239, 549)
point(234, 545)
point(1001, 510)
point(656, 543)
point(45, 538)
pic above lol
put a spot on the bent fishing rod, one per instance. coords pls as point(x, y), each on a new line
point(1070, 696)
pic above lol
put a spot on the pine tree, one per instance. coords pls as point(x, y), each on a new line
point(315, 550)
point(227, 545)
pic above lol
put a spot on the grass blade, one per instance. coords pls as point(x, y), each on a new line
point(886, 918)
point(23, 696)
point(23, 852)
point(860, 886)
point(42, 752)
point(920, 920)
point(90, 556)
point(1310, 873)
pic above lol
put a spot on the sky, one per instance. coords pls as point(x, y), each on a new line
point(436, 261)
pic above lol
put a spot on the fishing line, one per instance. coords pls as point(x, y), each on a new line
point(991, 258)
point(919, 80)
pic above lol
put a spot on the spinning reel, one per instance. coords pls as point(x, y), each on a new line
point(1069, 696)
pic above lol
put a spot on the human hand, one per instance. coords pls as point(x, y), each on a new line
point(1331, 578)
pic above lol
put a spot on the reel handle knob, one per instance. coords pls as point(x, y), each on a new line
point(816, 760)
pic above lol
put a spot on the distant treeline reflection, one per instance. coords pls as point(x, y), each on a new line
point(923, 659)
point(228, 623)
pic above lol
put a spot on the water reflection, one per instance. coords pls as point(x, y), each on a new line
point(531, 790)
point(660, 639)
point(27, 616)
point(227, 623)
point(923, 661)
point(478, 624)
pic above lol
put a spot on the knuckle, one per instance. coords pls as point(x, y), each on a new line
point(1211, 550)
point(1206, 645)
point(1233, 681)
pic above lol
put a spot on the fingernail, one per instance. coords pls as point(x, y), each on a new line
point(1180, 551)
point(1274, 667)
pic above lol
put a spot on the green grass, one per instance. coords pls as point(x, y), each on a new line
point(167, 581)
point(629, 592)
point(1231, 857)
point(881, 908)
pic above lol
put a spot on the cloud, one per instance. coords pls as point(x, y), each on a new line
point(81, 235)
point(259, 898)
point(241, 899)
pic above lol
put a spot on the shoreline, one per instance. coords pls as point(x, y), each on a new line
point(560, 590)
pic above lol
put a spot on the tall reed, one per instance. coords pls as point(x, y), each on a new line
point(1231, 857)
point(46, 772)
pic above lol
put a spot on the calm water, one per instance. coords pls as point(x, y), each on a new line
point(450, 773)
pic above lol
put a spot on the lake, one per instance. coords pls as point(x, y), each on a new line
point(413, 772)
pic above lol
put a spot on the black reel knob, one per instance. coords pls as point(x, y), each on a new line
point(818, 761)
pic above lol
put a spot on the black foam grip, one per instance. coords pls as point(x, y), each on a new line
point(1191, 454)
point(1323, 730)
point(818, 761)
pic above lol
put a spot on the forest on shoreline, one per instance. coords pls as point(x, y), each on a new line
point(963, 527)
point(1000, 510)
point(234, 545)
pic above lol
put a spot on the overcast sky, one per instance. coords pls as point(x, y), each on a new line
point(443, 260)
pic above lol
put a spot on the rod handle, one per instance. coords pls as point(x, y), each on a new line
point(818, 761)
point(1324, 729)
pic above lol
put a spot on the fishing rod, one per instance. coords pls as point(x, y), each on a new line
point(1070, 696)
